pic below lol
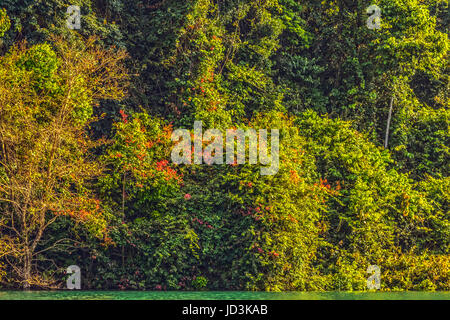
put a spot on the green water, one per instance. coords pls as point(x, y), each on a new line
point(222, 295)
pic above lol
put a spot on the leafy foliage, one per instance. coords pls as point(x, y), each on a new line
point(363, 120)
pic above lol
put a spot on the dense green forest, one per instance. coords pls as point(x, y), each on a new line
point(86, 118)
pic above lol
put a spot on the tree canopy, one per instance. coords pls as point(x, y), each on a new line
point(86, 118)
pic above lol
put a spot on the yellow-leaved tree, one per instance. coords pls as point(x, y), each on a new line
point(47, 166)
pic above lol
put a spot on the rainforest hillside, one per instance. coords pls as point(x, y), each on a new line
point(86, 121)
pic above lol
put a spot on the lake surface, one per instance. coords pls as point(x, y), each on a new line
point(222, 295)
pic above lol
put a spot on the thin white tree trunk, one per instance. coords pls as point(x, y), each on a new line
point(386, 140)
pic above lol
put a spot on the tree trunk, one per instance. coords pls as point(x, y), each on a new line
point(27, 271)
point(386, 140)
